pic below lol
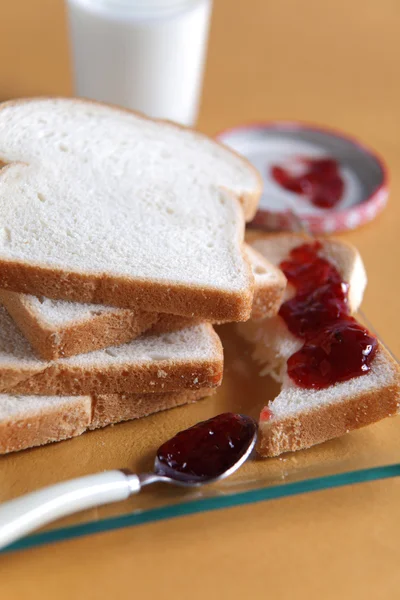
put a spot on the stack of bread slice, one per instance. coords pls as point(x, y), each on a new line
point(121, 243)
point(298, 417)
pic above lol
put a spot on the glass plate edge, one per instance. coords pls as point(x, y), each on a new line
point(204, 505)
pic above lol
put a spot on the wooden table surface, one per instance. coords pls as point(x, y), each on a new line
point(333, 63)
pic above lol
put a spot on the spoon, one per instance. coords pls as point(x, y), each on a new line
point(202, 454)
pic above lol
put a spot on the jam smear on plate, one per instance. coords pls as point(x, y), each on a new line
point(266, 414)
point(336, 347)
point(209, 448)
point(319, 180)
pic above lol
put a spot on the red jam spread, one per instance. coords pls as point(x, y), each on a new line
point(319, 180)
point(266, 414)
point(336, 348)
point(209, 448)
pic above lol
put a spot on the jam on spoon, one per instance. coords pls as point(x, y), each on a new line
point(208, 449)
point(319, 180)
point(336, 347)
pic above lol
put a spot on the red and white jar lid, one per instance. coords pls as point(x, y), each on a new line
point(276, 143)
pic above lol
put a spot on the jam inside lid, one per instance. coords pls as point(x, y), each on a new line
point(319, 180)
point(333, 182)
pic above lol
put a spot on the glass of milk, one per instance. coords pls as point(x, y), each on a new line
point(147, 55)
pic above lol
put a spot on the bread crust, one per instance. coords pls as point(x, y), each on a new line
point(327, 422)
point(118, 326)
point(268, 294)
point(86, 413)
point(115, 408)
point(101, 330)
point(59, 380)
point(190, 359)
point(169, 323)
point(59, 423)
point(67, 380)
point(205, 303)
point(153, 296)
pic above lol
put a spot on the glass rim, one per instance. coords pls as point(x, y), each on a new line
point(140, 8)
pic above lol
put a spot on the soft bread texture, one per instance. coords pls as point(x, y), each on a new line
point(60, 328)
point(273, 345)
point(100, 205)
point(273, 342)
point(301, 417)
point(270, 285)
point(29, 421)
point(191, 358)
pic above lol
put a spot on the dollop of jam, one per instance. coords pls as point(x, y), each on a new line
point(266, 414)
point(319, 180)
point(336, 347)
point(209, 448)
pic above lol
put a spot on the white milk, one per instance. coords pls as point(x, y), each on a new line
point(147, 55)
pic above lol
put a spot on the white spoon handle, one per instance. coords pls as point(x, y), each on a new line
point(23, 515)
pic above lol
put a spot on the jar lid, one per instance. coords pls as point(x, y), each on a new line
point(330, 180)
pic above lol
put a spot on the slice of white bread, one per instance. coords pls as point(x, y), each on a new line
point(274, 343)
point(29, 421)
point(101, 205)
point(191, 358)
point(302, 417)
point(269, 292)
point(299, 418)
point(60, 328)
point(275, 247)
point(270, 285)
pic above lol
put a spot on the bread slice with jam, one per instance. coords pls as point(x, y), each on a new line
point(335, 376)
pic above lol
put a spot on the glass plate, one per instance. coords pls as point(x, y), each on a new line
point(363, 455)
